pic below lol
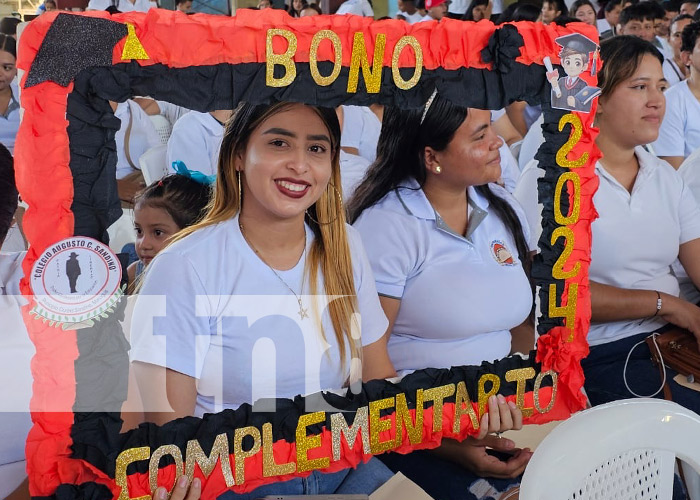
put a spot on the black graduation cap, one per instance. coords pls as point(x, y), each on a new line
point(580, 43)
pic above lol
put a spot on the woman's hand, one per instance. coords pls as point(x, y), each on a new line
point(502, 416)
point(681, 313)
point(181, 491)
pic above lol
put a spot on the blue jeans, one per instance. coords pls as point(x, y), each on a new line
point(363, 480)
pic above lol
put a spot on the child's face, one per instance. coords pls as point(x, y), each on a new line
point(574, 65)
point(153, 227)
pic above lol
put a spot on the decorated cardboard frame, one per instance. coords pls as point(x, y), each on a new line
point(65, 161)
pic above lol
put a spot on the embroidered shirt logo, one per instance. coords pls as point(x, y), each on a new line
point(501, 253)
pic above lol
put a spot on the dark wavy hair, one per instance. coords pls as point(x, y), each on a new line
point(400, 156)
point(689, 37)
point(184, 199)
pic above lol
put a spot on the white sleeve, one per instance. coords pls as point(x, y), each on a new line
point(152, 5)
point(391, 249)
point(671, 141)
point(373, 320)
point(98, 5)
point(367, 9)
point(188, 144)
point(526, 194)
point(171, 111)
point(688, 215)
point(170, 326)
point(509, 168)
point(352, 127)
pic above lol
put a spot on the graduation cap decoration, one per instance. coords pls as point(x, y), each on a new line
point(581, 44)
point(268, 56)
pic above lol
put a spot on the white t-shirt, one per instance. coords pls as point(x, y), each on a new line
point(672, 72)
point(603, 25)
point(532, 141)
point(458, 302)
point(361, 129)
point(690, 172)
point(412, 18)
point(123, 5)
point(16, 352)
point(142, 136)
point(636, 237)
point(196, 141)
point(679, 134)
point(226, 319)
point(356, 7)
point(352, 170)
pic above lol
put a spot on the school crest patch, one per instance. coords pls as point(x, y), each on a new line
point(501, 253)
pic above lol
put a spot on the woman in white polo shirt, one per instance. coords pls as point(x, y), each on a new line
point(237, 309)
point(647, 218)
point(449, 256)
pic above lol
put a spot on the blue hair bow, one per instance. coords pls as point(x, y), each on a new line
point(197, 176)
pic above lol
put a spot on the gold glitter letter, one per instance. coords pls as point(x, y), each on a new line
point(306, 443)
point(403, 417)
point(282, 59)
point(418, 51)
point(576, 210)
point(340, 426)
point(239, 455)
point(568, 311)
point(219, 451)
point(538, 383)
point(270, 467)
point(168, 449)
point(324, 81)
point(438, 395)
point(358, 57)
point(463, 405)
point(521, 375)
point(558, 268)
point(576, 134)
point(378, 425)
point(123, 460)
point(484, 396)
point(133, 49)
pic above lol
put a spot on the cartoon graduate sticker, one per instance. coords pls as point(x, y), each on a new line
point(572, 92)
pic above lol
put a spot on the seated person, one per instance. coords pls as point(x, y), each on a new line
point(9, 92)
point(647, 218)
point(196, 140)
point(408, 11)
point(360, 129)
point(356, 7)
point(637, 20)
point(680, 131)
point(675, 70)
point(446, 242)
point(268, 232)
point(607, 26)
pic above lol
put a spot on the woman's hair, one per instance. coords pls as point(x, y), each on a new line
point(610, 6)
point(526, 12)
point(400, 157)
point(622, 55)
point(8, 44)
point(577, 5)
point(559, 5)
point(689, 37)
point(330, 250)
point(296, 13)
point(469, 15)
point(184, 199)
point(8, 192)
point(8, 25)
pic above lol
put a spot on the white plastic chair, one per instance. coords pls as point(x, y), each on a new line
point(621, 450)
point(162, 126)
point(153, 164)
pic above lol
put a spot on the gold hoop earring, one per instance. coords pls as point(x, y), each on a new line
point(340, 200)
point(240, 191)
point(438, 169)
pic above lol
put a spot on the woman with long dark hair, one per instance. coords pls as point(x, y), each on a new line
point(450, 260)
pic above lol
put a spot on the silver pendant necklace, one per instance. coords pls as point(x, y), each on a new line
point(303, 312)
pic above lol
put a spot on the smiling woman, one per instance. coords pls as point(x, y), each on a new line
point(274, 268)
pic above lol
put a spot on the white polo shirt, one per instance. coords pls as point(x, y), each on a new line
point(352, 170)
point(412, 18)
point(458, 302)
point(361, 129)
point(123, 5)
point(636, 237)
point(196, 141)
point(679, 134)
point(690, 172)
point(211, 309)
point(672, 73)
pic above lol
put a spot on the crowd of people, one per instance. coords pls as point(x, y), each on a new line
point(420, 223)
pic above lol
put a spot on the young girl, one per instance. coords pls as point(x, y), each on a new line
point(161, 210)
